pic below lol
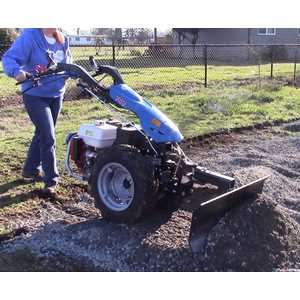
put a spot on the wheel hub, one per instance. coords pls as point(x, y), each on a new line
point(115, 186)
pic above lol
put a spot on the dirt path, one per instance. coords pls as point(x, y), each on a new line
point(260, 235)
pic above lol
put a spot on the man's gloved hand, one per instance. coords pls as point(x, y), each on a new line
point(40, 69)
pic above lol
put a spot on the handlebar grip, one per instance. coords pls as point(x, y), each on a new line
point(29, 76)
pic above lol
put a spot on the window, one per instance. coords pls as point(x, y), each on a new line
point(88, 39)
point(298, 31)
point(266, 31)
point(77, 38)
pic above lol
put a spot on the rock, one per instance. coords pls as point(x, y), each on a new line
point(294, 126)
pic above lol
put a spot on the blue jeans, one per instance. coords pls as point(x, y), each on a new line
point(43, 113)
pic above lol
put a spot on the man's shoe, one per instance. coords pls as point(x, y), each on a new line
point(37, 177)
point(50, 190)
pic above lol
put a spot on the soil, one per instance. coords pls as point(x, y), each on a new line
point(262, 234)
point(73, 93)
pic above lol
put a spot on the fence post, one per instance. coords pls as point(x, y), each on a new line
point(272, 60)
point(295, 65)
point(205, 65)
point(113, 54)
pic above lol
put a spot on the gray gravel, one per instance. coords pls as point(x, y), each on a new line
point(260, 235)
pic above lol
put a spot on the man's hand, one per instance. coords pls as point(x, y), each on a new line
point(21, 76)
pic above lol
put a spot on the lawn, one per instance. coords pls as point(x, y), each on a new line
point(195, 110)
point(141, 78)
point(7, 85)
point(236, 96)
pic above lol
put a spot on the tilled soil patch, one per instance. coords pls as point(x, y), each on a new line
point(10, 100)
point(260, 235)
point(73, 93)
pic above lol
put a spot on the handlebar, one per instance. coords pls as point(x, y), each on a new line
point(76, 71)
point(111, 71)
point(33, 77)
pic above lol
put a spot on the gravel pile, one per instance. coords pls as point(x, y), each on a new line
point(260, 235)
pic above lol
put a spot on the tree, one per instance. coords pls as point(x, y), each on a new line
point(102, 31)
point(114, 34)
point(140, 35)
point(130, 34)
point(7, 36)
point(118, 35)
point(143, 35)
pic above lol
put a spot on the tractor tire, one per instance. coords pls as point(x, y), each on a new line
point(123, 184)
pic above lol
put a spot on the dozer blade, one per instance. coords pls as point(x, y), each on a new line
point(210, 212)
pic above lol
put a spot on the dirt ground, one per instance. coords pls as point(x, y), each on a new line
point(72, 93)
point(260, 235)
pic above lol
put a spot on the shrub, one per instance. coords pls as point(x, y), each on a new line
point(279, 54)
point(262, 97)
point(135, 52)
point(268, 85)
point(7, 36)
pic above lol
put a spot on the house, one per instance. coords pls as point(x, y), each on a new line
point(249, 36)
point(236, 35)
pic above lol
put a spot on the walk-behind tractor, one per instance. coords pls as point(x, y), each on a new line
point(130, 167)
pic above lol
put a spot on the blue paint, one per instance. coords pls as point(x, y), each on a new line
point(126, 97)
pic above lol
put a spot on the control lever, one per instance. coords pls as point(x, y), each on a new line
point(51, 62)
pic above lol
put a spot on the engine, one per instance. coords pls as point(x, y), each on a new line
point(86, 145)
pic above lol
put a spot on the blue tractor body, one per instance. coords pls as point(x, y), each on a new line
point(154, 123)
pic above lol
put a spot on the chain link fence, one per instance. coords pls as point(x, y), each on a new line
point(152, 66)
point(183, 69)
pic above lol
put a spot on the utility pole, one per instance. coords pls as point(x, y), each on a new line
point(155, 35)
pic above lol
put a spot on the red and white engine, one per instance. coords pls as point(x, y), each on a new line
point(83, 146)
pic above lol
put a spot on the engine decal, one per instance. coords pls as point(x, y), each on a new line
point(121, 101)
point(156, 122)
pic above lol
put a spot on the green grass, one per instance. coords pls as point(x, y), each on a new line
point(7, 85)
point(143, 78)
point(200, 111)
point(106, 52)
point(197, 112)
